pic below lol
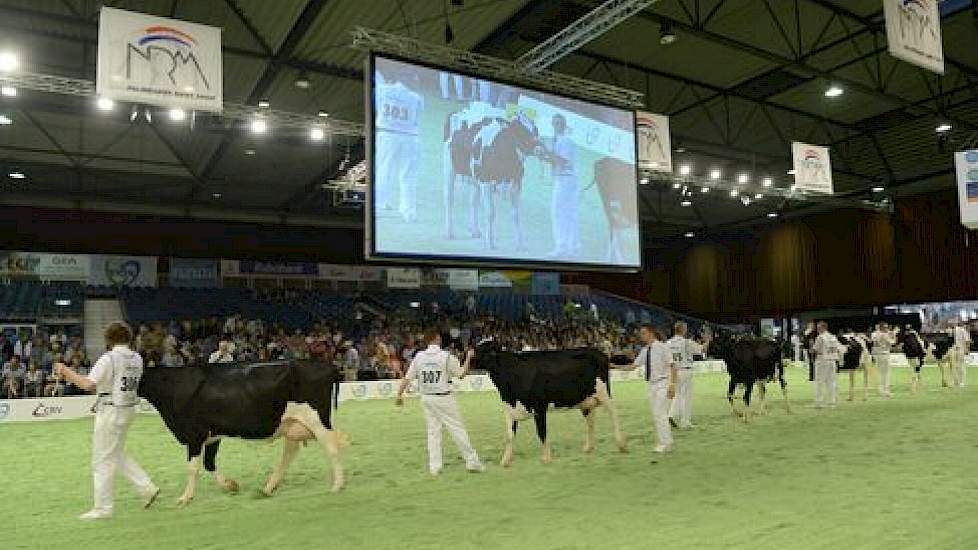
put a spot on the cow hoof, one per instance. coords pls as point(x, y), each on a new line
point(547, 460)
point(266, 492)
point(623, 449)
point(337, 487)
point(182, 502)
point(588, 449)
point(231, 486)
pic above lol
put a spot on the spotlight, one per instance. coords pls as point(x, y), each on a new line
point(680, 149)
point(302, 81)
point(322, 114)
point(686, 203)
point(264, 104)
point(8, 91)
point(249, 152)
point(643, 181)
point(768, 182)
point(317, 134)
point(772, 214)
point(791, 172)
point(105, 104)
point(5, 120)
point(759, 196)
point(715, 174)
point(743, 178)
point(177, 115)
point(690, 234)
point(8, 62)
point(685, 170)
point(943, 128)
point(677, 185)
point(745, 200)
point(734, 193)
point(216, 195)
point(879, 189)
point(666, 36)
point(834, 91)
point(17, 175)
point(705, 190)
point(258, 126)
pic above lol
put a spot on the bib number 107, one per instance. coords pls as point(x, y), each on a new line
point(430, 377)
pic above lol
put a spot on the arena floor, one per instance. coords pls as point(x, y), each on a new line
point(880, 474)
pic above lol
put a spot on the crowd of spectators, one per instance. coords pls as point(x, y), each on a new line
point(28, 362)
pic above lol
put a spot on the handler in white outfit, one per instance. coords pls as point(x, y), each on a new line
point(828, 352)
point(883, 340)
point(115, 377)
point(565, 201)
point(434, 368)
point(660, 372)
point(962, 346)
point(682, 350)
point(397, 115)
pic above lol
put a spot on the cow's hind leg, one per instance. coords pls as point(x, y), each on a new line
point(731, 391)
point(511, 425)
point(852, 385)
point(748, 388)
point(762, 396)
point(210, 464)
point(540, 417)
point(588, 430)
point(193, 472)
point(604, 398)
point(330, 443)
point(290, 449)
point(784, 392)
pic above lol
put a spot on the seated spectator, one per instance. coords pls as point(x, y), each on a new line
point(224, 353)
point(13, 377)
point(34, 381)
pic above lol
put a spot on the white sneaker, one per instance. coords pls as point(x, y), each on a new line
point(149, 495)
point(475, 469)
point(663, 449)
point(92, 515)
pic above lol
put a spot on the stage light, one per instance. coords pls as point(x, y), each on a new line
point(943, 128)
point(666, 36)
point(834, 91)
point(743, 178)
point(768, 182)
point(759, 196)
point(879, 189)
point(772, 214)
point(734, 193)
point(317, 134)
point(8, 62)
point(216, 195)
point(8, 91)
point(322, 114)
point(302, 81)
point(177, 115)
point(258, 126)
point(105, 104)
point(5, 120)
point(685, 170)
point(17, 175)
point(677, 185)
point(643, 181)
point(705, 190)
point(62, 303)
point(264, 104)
point(715, 174)
point(791, 172)
point(249, 152)
point(690, 234)
point(686, 203)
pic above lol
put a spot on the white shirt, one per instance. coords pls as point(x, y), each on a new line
point(564, 148)
point(882, 341)
point(827, 347)
point(398, 109)
point(659, 358)
point(961, 338)
point(218, 357)
point(117, 374)
point(683, 349)
point(434, 368)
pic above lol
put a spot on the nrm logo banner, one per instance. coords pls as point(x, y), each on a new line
point(161, 55)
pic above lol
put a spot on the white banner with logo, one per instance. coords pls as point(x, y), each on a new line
point(813, 168)
point(654, 143)
point(335, 272)
point(46, 267)
point(119, 271)
point(403, 277)
point(463, 279)
point(913, 32)
point(159, 61)
point(966, 166)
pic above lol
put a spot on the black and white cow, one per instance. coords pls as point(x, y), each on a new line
point(289, 400)
point(530, 382)
point(750, 361)
point(856, 357)
point(486, 155)
point(918, 348)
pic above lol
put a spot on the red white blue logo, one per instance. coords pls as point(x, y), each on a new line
point(161, 33)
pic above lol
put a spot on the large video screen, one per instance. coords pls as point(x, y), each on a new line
point(472, 171)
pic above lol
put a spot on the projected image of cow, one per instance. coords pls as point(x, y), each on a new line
point(474, 170)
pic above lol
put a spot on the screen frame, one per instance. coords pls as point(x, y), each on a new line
point(370, 250)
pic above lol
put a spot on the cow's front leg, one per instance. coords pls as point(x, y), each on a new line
point(330, 443)
point(193, 472)
point(604, 398)
point(748, 388)
point(588, 430)
point(784, 393)
point(762, 396)
point(210, 464)
point(517, 222)
point(290, 448)
point(511, 425)
point(731, 396)
point(540, 417)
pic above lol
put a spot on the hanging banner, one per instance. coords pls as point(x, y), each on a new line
point(913, 32)
point(813, 168)
point(966, 166)
point(545, 284)
point(463, 279)
point(159, 61)
point(45, 267)
point(277, 268)
point(403, 277)
point(194, 273)
point(337, 272)
point(654, 144)
point(119, 271)
point(494, 279)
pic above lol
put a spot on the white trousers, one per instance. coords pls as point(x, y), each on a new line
point(659, 404)
point(564, 215)
point(682, 406)
point(959, 366)
point(108, 444)
point(883, 364)
point(825, 383)
point(397, 172)
point(441, 411)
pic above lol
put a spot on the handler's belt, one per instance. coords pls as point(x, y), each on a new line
point(439, 394)
point(106, 399)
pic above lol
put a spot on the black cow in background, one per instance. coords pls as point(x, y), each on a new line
point(289, 400)
point(750, 361)
point(488, 154)
point(918, 348)
point(530, 382)
point(856, 357)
